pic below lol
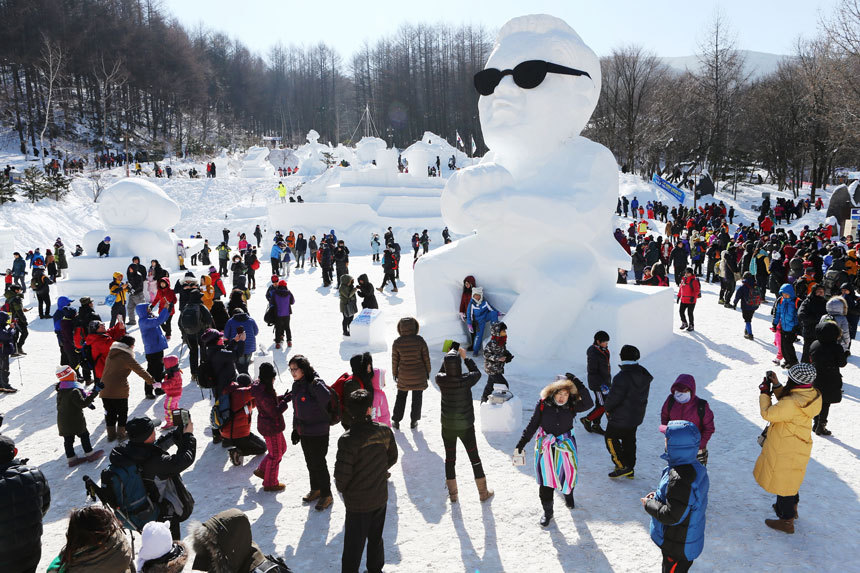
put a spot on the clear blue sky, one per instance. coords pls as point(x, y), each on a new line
point(667, 27)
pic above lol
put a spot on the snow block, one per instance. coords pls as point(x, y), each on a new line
point(256, 163)
point(507, 417)
point(368, 330)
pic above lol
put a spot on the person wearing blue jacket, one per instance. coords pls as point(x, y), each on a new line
point(478, 314)
point(154, 344)
point(62, 303)
point(785, 317)
point(749, 295)
point(241, 319)
point(19, 269)
point(678, 507)
point(275, 256)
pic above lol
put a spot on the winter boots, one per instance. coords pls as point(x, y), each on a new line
point(568, 501)
point(395, 424)
point(111, 433)
point(121, 434)
point(452, 489)
point(820, 429)
point(622, 472)
point(413, 425)
point(592, 427)
point(784, 525)
point(324, 503)
point(684, 325)
point(275, 488)
point(483, 492)
point(311, 496)
point(236, 457)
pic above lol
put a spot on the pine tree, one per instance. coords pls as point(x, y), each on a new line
point(7, 190)
point(328, 159)
point(58, 185)
point(34, 185)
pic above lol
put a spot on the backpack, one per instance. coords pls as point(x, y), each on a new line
point(123, 490)
point(700, 407)
point(753, 298)
point(205, 374)
point(189, 319)
point(221, 412)
point(87, 360)
point(335, 400)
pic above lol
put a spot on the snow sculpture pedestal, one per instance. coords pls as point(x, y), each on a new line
point(368, 330)
point(256, 163)
point(541, 204)
point(507, 417)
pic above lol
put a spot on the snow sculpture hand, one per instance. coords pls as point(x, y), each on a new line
point(461, 207)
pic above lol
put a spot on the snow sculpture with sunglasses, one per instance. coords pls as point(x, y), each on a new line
point(541, 200)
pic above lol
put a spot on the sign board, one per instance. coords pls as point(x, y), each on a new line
point(366, 316)
point(669, 188)
point(855, 214)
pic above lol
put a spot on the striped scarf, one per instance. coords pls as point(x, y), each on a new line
point(556, 461)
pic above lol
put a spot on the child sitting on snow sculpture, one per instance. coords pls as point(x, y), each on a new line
point(478, 314)
point(495, 358)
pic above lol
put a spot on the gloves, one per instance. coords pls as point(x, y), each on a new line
point(765, 387)
point(518, 458)
point(91, 406)
point(294, 437)
point(471, 329)
point(156, 385)
point(702, 456)
point(463, 316)
point(604, 389)
point(773, 328)
point(98, 386)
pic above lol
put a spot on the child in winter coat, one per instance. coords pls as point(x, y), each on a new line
point(677, 508)
point(683, 404)
point(785, 319)
point(172, 387)
point(271, 425)
point(478, 314)
point(625, 407)
point(119, 289)
point(599, 380)
point(71, 400)
point(837, 311)
point(165, 298)
point(555, 448)
point(495, 358)
point(689, 291)
point(749, 296)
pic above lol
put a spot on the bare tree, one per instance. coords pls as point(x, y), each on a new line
point(51, 64)
point(112, 78)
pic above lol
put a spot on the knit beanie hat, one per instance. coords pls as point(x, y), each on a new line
point(629, 353)
point(156, 541)
point(65, 373)
point(802, 373)
point(139, 429)
point(275, 279)
point(7, 449)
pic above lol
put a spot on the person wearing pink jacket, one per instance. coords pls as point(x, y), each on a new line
point(683, 404)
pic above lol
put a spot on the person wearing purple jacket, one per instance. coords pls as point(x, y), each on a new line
point(683, 404)
point(270, 424)
point(283, 300)
point(310, 397)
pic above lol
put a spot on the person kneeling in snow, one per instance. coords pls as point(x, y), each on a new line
point(495, 358)
point(683, 404)
point(677, 508)
point(555, 448)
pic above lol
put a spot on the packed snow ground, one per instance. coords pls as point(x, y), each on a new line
point(608, 530)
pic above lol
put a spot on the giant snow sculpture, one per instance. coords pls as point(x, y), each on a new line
point(541, 204)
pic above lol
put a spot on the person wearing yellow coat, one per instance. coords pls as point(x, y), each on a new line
point(781, 467)
point(208, 291)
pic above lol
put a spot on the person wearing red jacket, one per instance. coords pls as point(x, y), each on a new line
point(165, 297)
point(766, 225)
point(238, 428)
point(689, 291)
point(99, 341)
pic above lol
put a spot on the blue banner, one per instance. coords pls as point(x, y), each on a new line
point(668, 188)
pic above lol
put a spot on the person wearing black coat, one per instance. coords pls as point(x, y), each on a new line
point(809, 313)
point(136, 275)
point(365, 452)
point(365, 291)
point(220, 357)
point(258, 234)
point(341, 260)
point(625, 407)
point(301, 250)
point(679, 259)
point(828, 357)
point(158, 466)
point(24, 500)
point(555, 414)
point(458, 419)
point(778, 274)
point(250, 259)
point(599, 378)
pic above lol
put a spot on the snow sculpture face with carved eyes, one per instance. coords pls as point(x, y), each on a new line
point(138, 204)
point(531, 122)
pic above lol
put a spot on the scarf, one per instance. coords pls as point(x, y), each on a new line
point(556, 461)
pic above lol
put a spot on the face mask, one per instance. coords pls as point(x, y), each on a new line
point(682, 397)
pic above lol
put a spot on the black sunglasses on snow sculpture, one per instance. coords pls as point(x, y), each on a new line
point(528, 75)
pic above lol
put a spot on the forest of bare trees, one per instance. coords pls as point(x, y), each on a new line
point(100, 72)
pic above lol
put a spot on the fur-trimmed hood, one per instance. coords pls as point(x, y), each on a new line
point(223, 544)
point(551, 389)
point(172, 564)
point(122, 346)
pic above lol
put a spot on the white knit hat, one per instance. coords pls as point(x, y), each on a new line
point(802, 373)
point(155, 542)
point(477, 290)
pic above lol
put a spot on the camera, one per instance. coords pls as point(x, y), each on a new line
point(180, 417)
point(240, 330)
point(455, 345)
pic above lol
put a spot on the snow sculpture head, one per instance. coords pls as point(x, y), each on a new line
point(138, 204)
point(536, 121)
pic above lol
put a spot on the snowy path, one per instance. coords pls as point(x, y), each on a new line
point(607, 531)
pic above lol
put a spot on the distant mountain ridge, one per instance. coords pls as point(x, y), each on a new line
point(756, 64)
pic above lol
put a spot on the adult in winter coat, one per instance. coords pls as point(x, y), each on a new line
point(688, 293)
point(828, 357)
point(301, 250)
point(41, 286)
point(683, 404)
point(638, 261)
point(310, 397)
point(19, 269)
point(749, 295)
point(365, 452)
point(389, 266)
point(781, 467)
point(224, 543)
point(728, 270)
point(313, 248)
point(184, 287)
point(678, 507)
point(837, 311)
point(625, 408)
point(341, 259)
point(348, 301)
point(207, 290)
point(95, 542)
point(410, 366)
point(237, 430)
point(809, 314)
point(785, 318)
point(374, 247)
point(365, 291)
point(24, 500)
point(556, 461)
point(191, 329)
point(119, 364)
point(778, 275)
point(242, 320)
point(271, 425)
point(679, 261)
point(99, 341)
point(158, 467)
point(136, 276)
point(283, 300)
point(599, 379)
point(458, 419)
point(154, 343)
point(15, 301)
point(71, 401)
